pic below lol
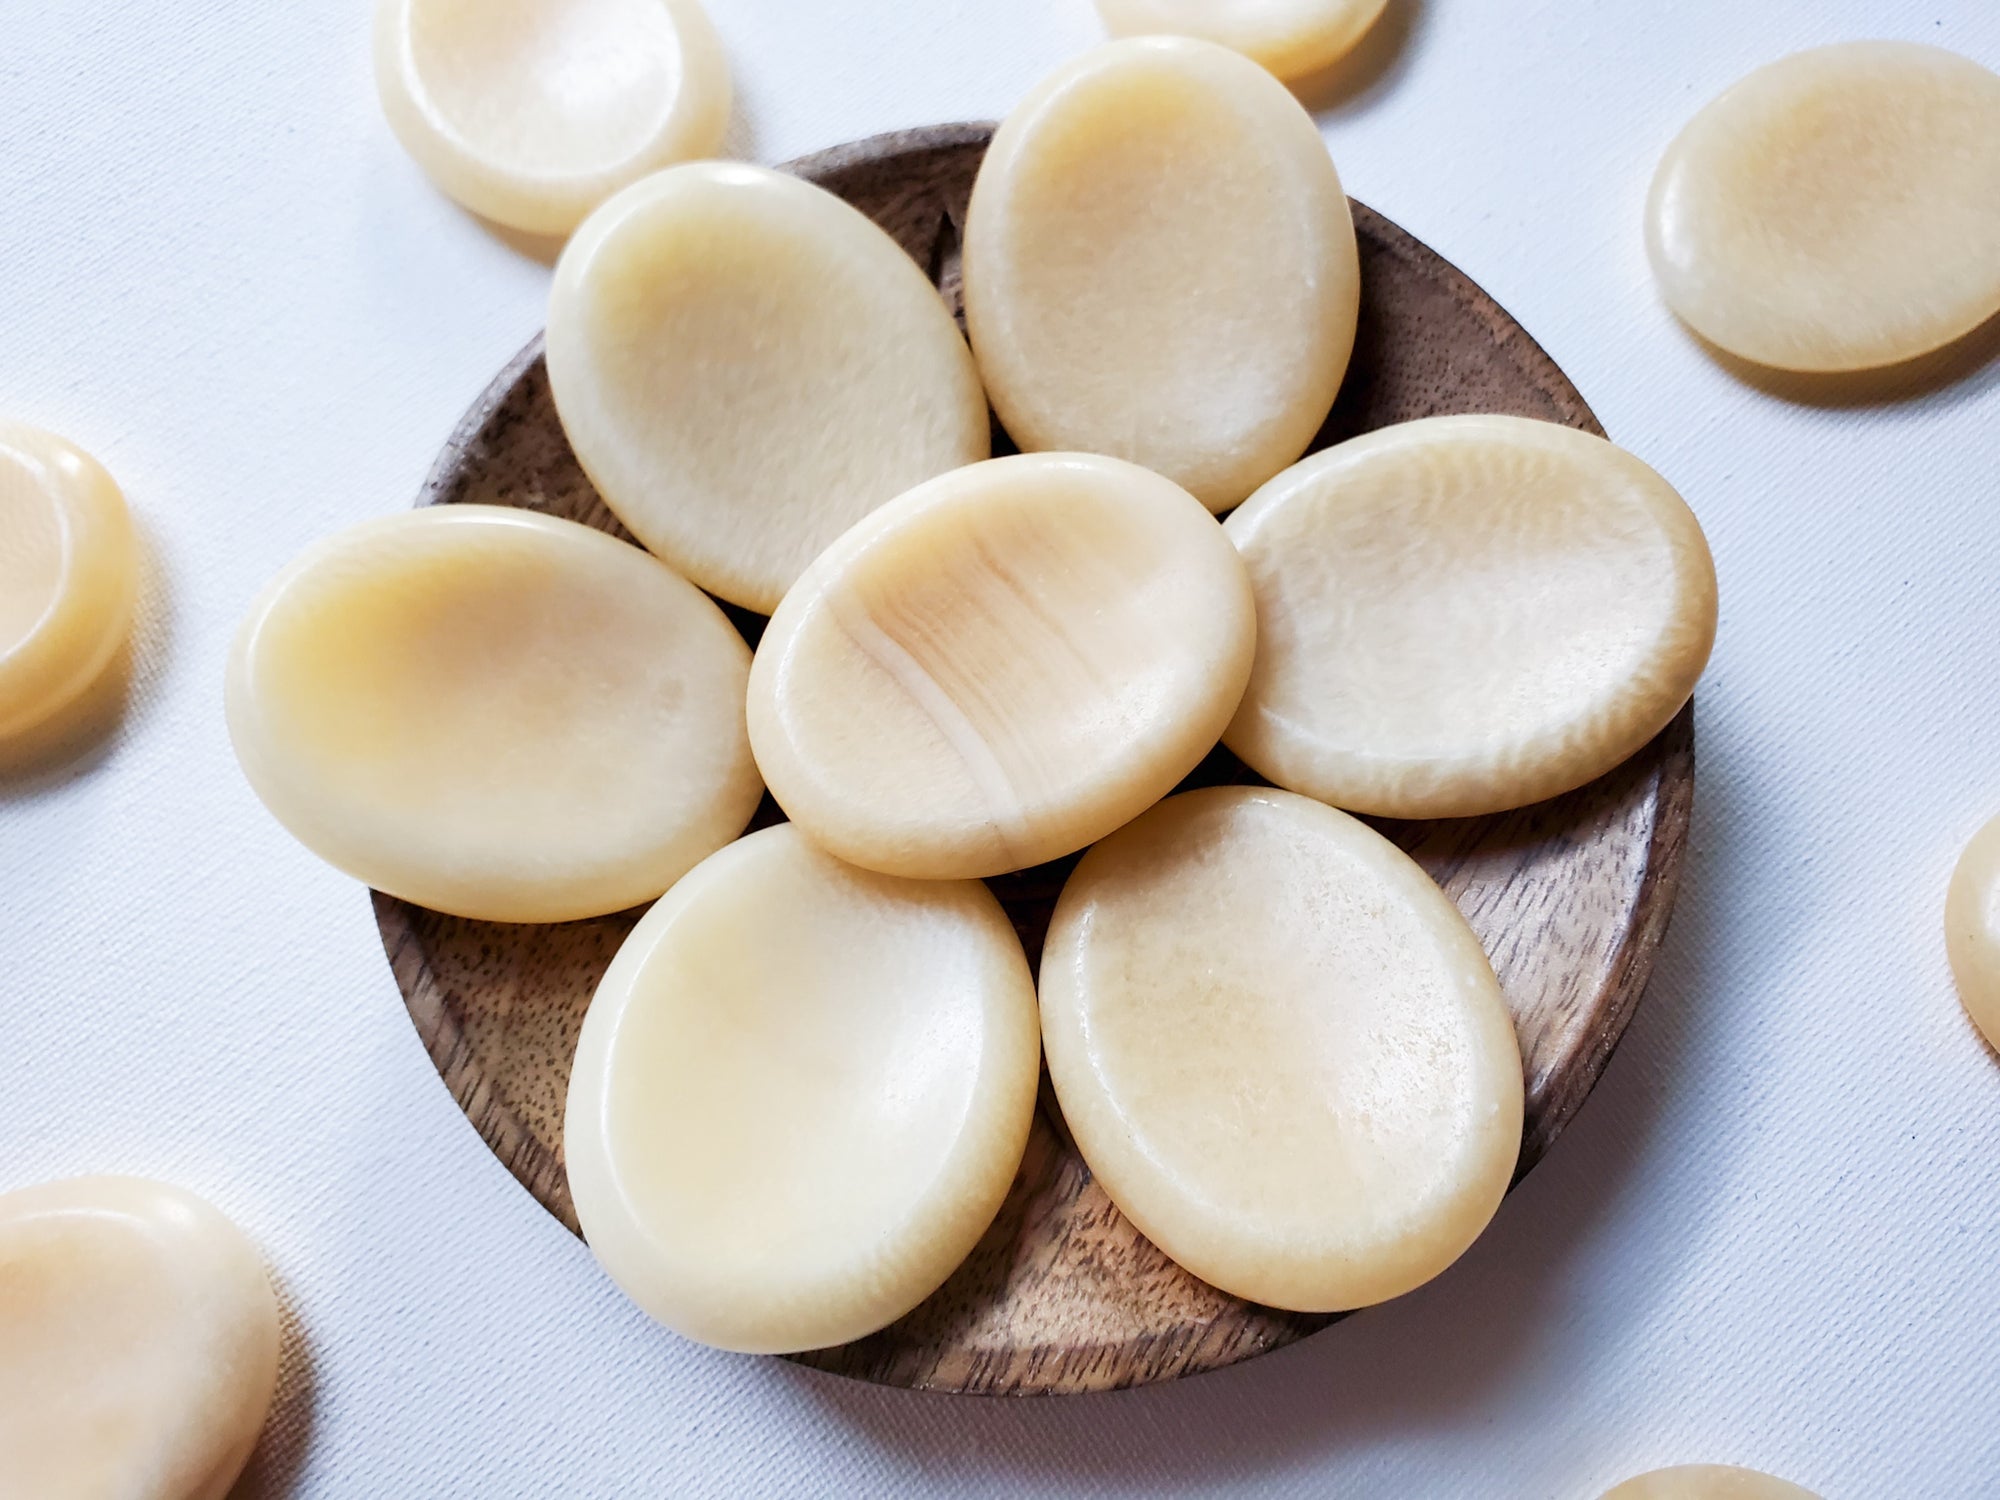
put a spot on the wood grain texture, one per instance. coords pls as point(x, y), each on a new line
point(1570, 897)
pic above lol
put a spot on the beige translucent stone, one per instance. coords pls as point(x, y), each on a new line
point(1290, 37)
point(1706, 1482)
point(1837, 210)
point(533, 112)
point(1001, 666)
point(746, 367)
point(1972, 930)
point(138, 1343)
point(800, 1095)
point(495, 713)
point(1280, 1049)
point(1465, 614)
point(69, 569)
point(1160, 265)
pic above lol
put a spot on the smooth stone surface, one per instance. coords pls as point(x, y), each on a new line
point(497, 714)
point(1466, 614)
point(1972, 930)
point(138, 1343)
point(533, 112)
point(746, 367)
point(69, 572)
point(1001, 666)
point(1160, 265)
point(1836, 210)
point(1293, 38)
point(799, 1095)
point(1280, 1049)
point(1706, 1482)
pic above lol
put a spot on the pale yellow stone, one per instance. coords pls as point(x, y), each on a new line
point(1836, 210)
point(494, 713)
point(69, 571)
point(1160, 265)
point(746, 366)
point(533, 112)
point(1001, 666)
point(800, 1095)
point(1293, 38)
point(1972, 930)
point(1280, 1049)
point(138, 1343)
point(1465, 614)
point(1706, 1482)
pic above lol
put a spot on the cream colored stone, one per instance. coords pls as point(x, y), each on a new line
point(1001, 666)
point(138, 1343)
point(69, 570)
point(1293, 38)
point(1706, 1482)
point(1280, 1049)
point(533, 112)
point(1466, 614)
point(1836, 210)
point(800, 1095)
point(1160, 265)
point(1972, 930)
point(746, 366)
point(494, 713)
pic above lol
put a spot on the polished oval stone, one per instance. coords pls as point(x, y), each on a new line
point(800, 1095)
point(746, 366)
point(1293, 38)
point(533, 112)
point(495, 713)
point(1001, 666)
point(1160, 265)
point(69, 573)
point(1836, 210)
point(1280, 1049)
point(1466, 614)
point(138, 1342)
point(1972, 930)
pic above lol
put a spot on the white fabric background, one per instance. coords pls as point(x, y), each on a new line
point(1773, 1236)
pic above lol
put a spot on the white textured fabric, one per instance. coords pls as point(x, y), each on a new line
point(1771, 1237)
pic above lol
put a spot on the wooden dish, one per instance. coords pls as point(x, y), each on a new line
point(1570, 897)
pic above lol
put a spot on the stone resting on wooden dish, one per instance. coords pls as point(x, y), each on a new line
point(1010, 661)
point(1062, 674)
point(1567, 897)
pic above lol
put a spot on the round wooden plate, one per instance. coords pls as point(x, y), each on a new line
point(1570, 897)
